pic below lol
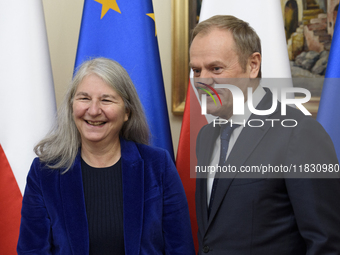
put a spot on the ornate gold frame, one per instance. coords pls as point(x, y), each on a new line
point(180, 54)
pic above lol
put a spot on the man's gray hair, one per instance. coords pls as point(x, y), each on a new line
point(246, 40)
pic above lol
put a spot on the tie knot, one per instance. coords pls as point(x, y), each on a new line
point(226, 131)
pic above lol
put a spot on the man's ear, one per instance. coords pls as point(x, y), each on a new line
point(254, 64)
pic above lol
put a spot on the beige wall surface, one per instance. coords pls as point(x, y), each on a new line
point(63, 19)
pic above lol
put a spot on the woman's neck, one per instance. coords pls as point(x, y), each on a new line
point(97, 155)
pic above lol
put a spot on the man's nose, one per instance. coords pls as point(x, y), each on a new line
point(206, 78)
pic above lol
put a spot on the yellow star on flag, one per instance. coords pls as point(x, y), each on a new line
point(152, 16)
point(107, 5)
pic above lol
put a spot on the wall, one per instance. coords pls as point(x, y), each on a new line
point(63, 19)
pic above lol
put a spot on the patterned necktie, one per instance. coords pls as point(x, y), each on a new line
point(226, 131)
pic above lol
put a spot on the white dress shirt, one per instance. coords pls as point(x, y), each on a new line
point(258, 94)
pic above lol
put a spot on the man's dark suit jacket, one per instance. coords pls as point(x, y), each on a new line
point(270, 215)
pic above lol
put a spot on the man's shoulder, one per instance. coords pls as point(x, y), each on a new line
point(292, 112)
point(297, 115)
point(208, 130)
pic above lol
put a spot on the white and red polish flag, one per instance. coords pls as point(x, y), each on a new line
point(27, 105)
point(265, 17)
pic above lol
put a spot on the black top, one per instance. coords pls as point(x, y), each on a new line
point(103, 191)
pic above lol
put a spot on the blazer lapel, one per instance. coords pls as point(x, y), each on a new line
point(133, 196)
point(243, 148)
point(73, 202)
point(205, 145)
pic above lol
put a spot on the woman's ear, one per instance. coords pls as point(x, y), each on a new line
point(127, 114)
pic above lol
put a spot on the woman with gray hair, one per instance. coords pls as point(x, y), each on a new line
point(96, 186)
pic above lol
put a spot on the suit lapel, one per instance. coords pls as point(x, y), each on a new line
point(201, 203)
point(246, 143)
point(133, 196)
point(205, 145)
point(250, 137)
point(73, 202)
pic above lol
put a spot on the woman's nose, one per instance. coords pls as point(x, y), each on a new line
point(94, 108)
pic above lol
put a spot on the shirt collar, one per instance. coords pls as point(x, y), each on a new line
point(257, 96)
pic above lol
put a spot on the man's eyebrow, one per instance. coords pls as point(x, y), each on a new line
point(215, 63)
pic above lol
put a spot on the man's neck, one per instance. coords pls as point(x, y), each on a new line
point(257, 96)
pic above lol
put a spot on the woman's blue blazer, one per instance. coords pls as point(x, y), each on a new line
point(155, 210)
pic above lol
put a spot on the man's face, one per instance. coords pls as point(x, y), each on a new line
point(214, 60)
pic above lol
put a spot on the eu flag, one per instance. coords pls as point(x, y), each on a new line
point(329, 109)
point(125, 31)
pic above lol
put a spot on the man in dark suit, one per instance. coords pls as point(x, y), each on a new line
point(278, 212)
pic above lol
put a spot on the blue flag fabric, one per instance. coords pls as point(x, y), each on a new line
point(125, 31)
point(329, 108)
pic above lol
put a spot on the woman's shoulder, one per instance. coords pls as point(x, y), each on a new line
point(150, 148)
point(143, 150)
point(149, 151)
point(41, 168)
point(152, 157)
point(38, 164)
point(40, 175)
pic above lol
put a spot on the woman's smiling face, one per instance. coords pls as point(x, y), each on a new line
point(98, 111)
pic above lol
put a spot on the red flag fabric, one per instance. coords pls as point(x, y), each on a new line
point(184, 157)
point(27, 104)
point(10, 207)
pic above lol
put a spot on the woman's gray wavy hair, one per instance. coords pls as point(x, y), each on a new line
point(60, 147)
